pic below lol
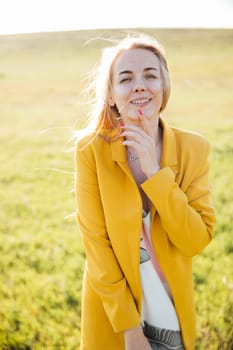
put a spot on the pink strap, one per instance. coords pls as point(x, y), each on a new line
point(151, 252)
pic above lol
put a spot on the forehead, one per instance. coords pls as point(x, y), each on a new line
point(135, 59)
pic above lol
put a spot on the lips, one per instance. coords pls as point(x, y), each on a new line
point(140, 101)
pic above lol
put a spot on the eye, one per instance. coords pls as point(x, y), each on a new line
point(151, 76)
point(124, 80)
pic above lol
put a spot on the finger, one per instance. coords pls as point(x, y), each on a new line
point(134, 132)
point(133, 144)
point(132, 127)
point(140, 113)
point(139, 148)
point(143, 120)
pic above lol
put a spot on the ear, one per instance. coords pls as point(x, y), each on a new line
point(111, 101)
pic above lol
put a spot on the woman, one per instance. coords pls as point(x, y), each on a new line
point(144, 208)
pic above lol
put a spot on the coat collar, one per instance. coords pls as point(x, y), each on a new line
point(169, 149)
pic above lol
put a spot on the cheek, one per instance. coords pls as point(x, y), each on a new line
point(157, 86)
point(120, 94)
point(158, 92)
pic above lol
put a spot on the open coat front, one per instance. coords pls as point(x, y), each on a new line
point(109, 210)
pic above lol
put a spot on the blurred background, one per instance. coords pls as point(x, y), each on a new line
point(43, 71)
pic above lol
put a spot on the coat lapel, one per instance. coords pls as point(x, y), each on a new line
point(169, 149)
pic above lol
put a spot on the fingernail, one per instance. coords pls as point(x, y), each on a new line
point(121, 124)
point(140, 112)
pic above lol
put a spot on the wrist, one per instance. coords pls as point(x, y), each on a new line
point(133, 332)
point(152, 172)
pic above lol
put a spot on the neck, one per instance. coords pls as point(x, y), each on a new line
point(158, 135)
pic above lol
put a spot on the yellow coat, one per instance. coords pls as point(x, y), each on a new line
point(109, 210)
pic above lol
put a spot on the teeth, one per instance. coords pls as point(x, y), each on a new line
point(138, 102)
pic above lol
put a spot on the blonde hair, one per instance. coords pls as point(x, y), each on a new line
point(104, 117)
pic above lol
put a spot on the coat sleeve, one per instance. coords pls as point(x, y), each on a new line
point(107, 279)
point(186, 211)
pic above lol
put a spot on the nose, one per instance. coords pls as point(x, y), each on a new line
point(139, 86)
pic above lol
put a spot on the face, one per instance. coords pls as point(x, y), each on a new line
point(137, 84)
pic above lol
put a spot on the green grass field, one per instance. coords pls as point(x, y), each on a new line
point(41, 105)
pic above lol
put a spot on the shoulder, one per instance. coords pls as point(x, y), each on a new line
point(192, 150)
point(87, 140)
point(92, 145)
point(84, 141)
point(190, 141)
point(96, 139)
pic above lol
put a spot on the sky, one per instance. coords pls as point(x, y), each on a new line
point(30, 16)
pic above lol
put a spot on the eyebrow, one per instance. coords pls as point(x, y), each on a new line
point(145, 70)
point(125, 72)
point(150, 68)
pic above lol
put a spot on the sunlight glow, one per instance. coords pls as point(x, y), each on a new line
point(59, 15)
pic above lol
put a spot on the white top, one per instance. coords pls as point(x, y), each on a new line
point(157, 307)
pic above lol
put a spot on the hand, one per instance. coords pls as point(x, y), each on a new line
point(142, 139)
point(135, 339)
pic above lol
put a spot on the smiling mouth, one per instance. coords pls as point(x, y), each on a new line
point(140, 102)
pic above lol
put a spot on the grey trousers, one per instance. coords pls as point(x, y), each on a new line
point(162, 339)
